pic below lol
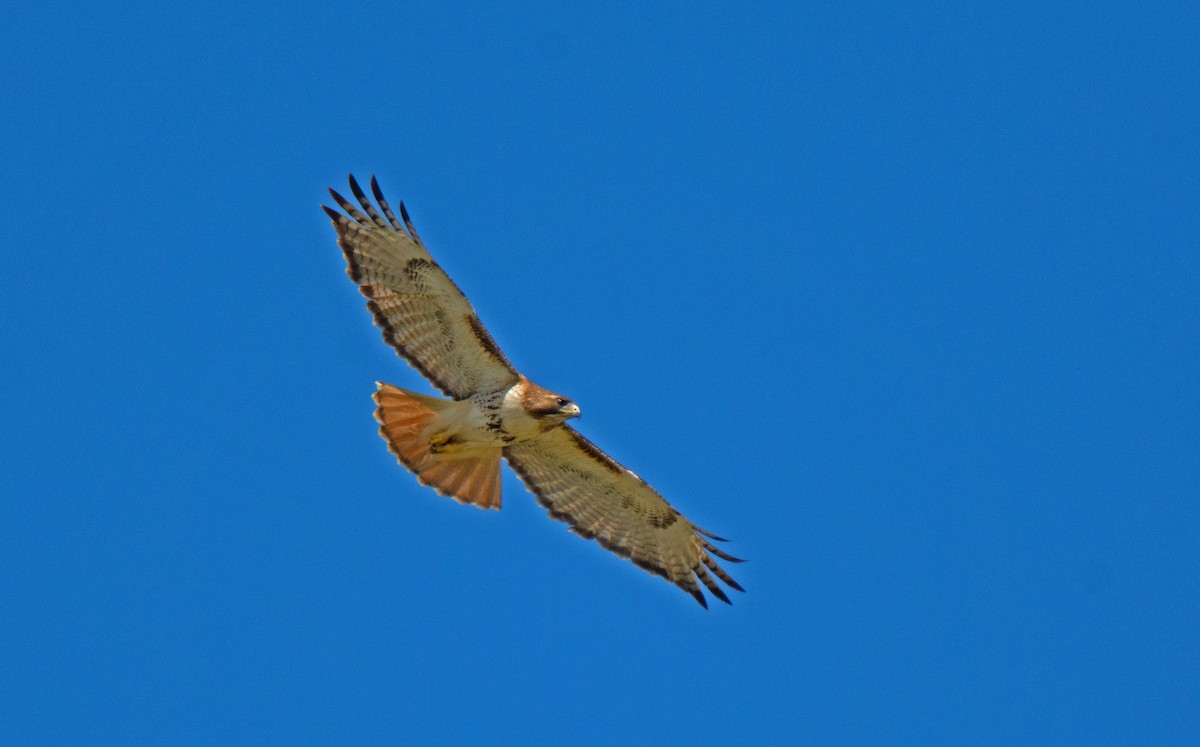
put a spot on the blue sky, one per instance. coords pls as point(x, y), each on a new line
point(904, 299)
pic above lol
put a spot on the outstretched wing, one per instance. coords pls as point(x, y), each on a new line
point(581, 485)
point(422, 313)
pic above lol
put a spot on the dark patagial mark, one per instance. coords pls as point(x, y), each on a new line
point(486, 341)
point(595, 452)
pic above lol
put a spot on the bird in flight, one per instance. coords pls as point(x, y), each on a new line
point(455, 445)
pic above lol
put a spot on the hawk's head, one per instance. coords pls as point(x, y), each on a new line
point(547, 406)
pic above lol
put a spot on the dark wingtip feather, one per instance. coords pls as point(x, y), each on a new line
point(339, 199)
point(718, 571)
point(710, 535)
point(357, 190)
point(367, 207)
point(408, 222)
point(375, 190)
point(712, 585)
point(383, 203)
point(333, 214)
point(721, 553)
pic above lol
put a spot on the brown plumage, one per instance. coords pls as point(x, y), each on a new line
point(455, 445)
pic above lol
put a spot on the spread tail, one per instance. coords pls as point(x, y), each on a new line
point(466, 476)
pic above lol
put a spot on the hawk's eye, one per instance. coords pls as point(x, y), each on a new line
point(561, 402)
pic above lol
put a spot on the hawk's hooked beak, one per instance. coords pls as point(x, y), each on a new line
point(571, 410)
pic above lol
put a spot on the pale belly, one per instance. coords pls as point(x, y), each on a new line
point(486, 421)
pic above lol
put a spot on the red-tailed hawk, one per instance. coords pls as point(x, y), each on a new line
point(455, 445)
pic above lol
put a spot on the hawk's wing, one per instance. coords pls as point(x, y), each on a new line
point(579, 484)
point(422, 313)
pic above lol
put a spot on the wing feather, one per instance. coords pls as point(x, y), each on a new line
point(579, 484)
point(376, 218)
point(387, 209)
point(422, 313)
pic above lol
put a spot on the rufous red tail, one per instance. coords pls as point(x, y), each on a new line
point(468, 477)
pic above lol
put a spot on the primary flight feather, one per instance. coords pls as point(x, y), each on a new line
point(455, 445)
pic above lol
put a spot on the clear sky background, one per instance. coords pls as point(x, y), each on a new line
point(902, 298)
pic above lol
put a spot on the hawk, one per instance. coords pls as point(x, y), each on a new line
point(455, 445)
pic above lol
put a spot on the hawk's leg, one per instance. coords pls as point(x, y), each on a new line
point(444, 443)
